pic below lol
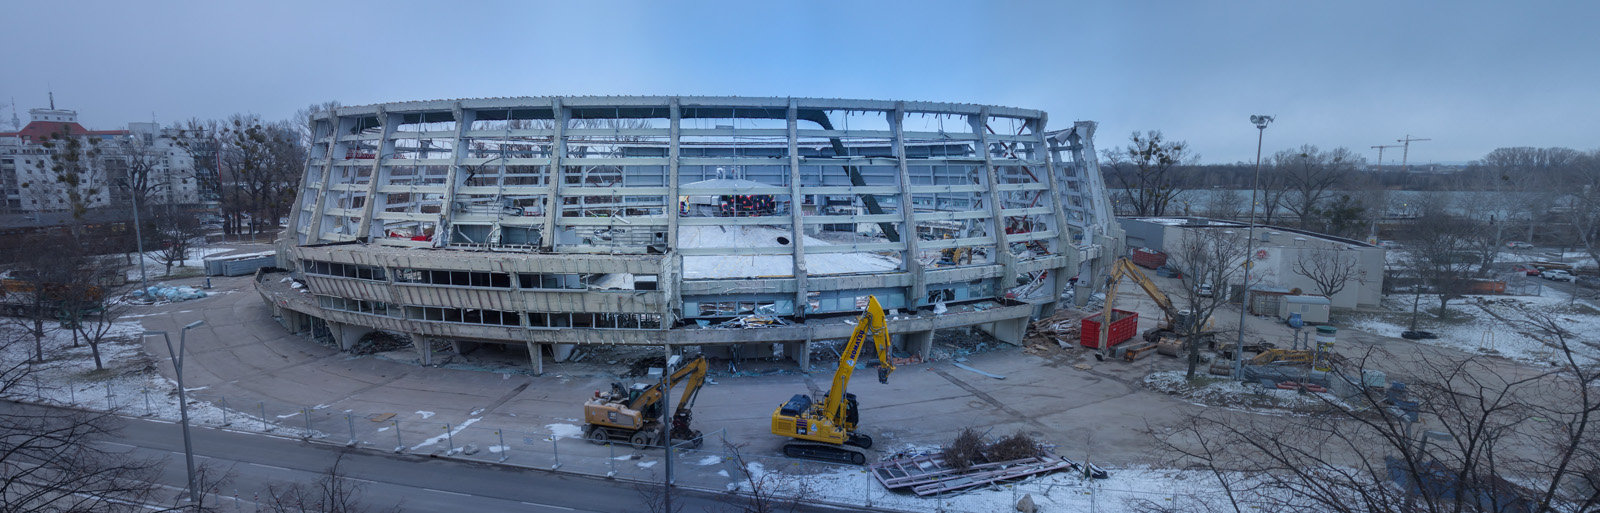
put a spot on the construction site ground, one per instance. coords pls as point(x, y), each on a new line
point(1087, 409)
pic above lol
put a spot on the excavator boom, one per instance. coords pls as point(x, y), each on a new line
point(870, 325)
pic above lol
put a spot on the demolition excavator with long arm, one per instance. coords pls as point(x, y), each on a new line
point(634, 413)
point(827, 430)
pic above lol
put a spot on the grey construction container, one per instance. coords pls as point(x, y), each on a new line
point(238, 265)
point(1312, 309)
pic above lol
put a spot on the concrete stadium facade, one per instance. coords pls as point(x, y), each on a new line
point(553, 222)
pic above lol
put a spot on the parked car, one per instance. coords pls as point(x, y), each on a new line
point(1557, 275)
point(1525, 269)
point(1589, 281)
point(1388, 244)
point(1517, 244)
point(1204, 290)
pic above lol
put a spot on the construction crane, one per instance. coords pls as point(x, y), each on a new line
point(1380, 149)
point(1407, 152)
point(1177, 321)
point(634, 413)
point(826, 430)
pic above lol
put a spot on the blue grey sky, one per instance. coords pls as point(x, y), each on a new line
point(1472, 76)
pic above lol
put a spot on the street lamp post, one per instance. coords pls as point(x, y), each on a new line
point(183, 400)
point(1249, 246)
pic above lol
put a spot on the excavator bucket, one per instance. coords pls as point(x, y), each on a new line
point(883, 375)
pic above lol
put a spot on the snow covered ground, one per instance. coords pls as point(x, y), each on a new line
point(1125, 491)
point(1495, 325)
point(129, 384)
point(155, 269)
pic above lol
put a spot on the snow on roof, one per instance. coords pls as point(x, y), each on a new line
point(724, 183)
point(737, 266)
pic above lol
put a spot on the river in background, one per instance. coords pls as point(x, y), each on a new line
point(1398, 204)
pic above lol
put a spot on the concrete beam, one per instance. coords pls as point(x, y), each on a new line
point(920, 343)
point(1002, 248)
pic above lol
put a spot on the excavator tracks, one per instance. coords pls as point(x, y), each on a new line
point(825, 452)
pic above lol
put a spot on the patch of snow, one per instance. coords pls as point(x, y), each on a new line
point(733, 266)
point(425, 414)
point(497, 449)
point(709, 460)
point(647, 464)
point(564, 430)
point(458, 428)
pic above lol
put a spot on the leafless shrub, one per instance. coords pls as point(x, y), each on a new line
point(1015, 447)
point(965, 451)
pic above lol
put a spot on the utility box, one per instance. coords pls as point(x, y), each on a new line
point(1123, 325)
point(1312, 309)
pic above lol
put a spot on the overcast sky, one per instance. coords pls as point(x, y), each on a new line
point(1472, 76)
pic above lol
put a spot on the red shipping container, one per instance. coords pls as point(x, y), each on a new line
point(1123, 325)
point(1148, 259)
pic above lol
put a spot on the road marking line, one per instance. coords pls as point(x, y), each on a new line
point(451, 493)
point(547, 505)
point(120, 445)
point(273, 467)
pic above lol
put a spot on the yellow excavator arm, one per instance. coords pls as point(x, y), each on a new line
point(870, 325)
point(1124, 268)
point(695, 370)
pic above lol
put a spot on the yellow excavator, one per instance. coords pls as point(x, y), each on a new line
point(826, 430)
point(1177, 323)
point(634, 413)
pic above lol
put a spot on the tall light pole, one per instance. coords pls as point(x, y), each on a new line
point(1249, 246)
point(183, 400)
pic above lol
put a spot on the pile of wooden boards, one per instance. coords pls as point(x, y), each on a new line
point(1061, 329)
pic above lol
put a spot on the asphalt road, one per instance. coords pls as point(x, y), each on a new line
point(413, 483)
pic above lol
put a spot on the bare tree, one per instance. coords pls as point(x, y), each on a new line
point(51, 459)
point(1469, 434)
point(768, 492)
point(1438, 254)
point(1225, 204)
point(176, 232)
point(1144, 170)
point(1310, 174)
point(1329, 269)
point(1583, 203)
point(1209, 259)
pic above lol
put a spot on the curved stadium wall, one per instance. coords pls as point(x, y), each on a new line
point(658, 220)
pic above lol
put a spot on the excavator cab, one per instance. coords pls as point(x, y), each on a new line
point(796, 406)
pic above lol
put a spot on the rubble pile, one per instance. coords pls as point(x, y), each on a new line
point(1060, 330)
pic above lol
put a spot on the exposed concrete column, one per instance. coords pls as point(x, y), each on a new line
point(558, 151)
point(536, 357)
point(1003, 256)
point(1064, 245)
point(1104, 231)
point(920, 343)
point(447, 210)
point(672, 264)
point(378, 175)
point(424, 348)
point(319, 213)
point(908, 227)
point(675, 118)
point(802, 355)
point(796, 217)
